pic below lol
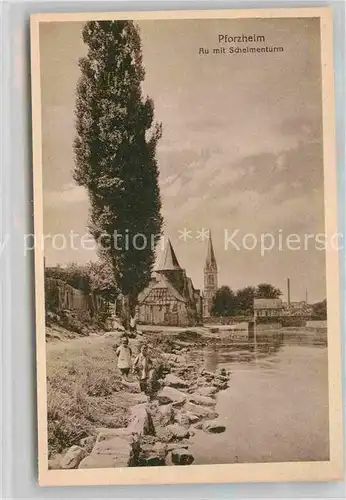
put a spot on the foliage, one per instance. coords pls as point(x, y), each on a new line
point(224, 302)
point(95, 277)
point(190, 336)
point(229, 303)
point(73, 274)
point(267, 291)
point(320, 310)
point(165, 344)
point(244, 300)
point(115, 150)
point(102, 280)
point(75, 321)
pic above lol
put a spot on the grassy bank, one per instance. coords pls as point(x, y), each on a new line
point(84, 391)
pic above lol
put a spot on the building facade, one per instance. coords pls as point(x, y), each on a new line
point(170, 298)
point(268, 308)
point(210, 279)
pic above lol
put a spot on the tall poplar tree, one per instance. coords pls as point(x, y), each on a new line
point(115, 153)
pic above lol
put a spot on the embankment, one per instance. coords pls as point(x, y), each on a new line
point(141, 430)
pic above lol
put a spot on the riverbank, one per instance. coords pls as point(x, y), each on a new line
point(97, 420)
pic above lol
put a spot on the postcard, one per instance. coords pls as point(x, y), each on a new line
point(186, 247)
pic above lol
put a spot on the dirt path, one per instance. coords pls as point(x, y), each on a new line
point(63, 342)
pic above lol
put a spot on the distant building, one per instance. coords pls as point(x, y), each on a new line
point(297, 308)
point(170, 298)
point(268, 308)
point(210, 280)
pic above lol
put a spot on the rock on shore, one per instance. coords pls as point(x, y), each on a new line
point(72, 458)
point(174, 381)
point(160, 426)
point(200, 411)
point(214, 427)
point(141, 420)
point(181, 456)
point(121, 451)
point(178, 431)
point(171, 395)
point(201, 400)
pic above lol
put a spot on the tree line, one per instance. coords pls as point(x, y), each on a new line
point(240, 303)
point(99, 277)
point(320, 310)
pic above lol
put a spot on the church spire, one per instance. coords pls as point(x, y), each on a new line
point(170, 261)
point(210, 279)
point(210, 261)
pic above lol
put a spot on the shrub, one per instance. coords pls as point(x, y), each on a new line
point(74, 275)
point(163, 344)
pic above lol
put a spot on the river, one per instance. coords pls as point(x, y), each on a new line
point(276, 406)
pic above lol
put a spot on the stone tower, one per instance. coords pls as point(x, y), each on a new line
point(210, 279)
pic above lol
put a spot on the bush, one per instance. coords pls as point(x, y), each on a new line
point(74, 275)
point(102, 317)
point(160, 369)
point(74, 321)
point(163, 344)
point(94, 284)
point(189, 336)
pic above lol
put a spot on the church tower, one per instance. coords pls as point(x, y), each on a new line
point(210, 279)
point(172, 270)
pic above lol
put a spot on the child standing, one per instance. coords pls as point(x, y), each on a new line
point(124, 354)
point(143, 365)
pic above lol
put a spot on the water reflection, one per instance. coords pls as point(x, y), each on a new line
point(275, 408)
point(211, 359)
point(263, 346)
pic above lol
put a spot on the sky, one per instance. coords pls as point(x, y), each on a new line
point(241, 152)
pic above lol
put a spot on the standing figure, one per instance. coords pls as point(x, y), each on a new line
point(124, 354)
point(142, 365)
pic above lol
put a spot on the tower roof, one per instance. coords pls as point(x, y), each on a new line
point(210, 261)
point(170, 261)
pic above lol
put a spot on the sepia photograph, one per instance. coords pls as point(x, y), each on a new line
point(186, 247)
